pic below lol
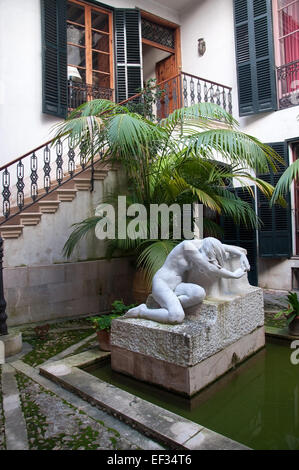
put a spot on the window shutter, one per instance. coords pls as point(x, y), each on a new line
point(54, 52)
point(275, 237)
point(255, 56)
point(242, 236)
point(127, 24)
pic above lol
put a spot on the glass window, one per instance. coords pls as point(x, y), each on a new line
point(288, 30)
point(99, 21)
point(89, 45)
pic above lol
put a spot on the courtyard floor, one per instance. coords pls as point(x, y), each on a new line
point(36, 414)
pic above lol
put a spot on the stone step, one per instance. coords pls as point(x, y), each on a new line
point(30, 218)
point(82, 184)
point(11, 231)
point(48, 206)
point(15, 425)
point(66, 195)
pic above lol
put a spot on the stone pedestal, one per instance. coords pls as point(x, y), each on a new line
point(185, 358)
point(12, 344)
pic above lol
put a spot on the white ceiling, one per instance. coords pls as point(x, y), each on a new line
point(176, 4)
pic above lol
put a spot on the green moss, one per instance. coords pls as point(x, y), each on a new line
point(275, 322)
point(54, 343)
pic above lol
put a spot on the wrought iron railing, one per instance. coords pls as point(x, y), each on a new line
point(181, 90)
point(79, 93)
point(47, 167)
point(288, 85)
point(196, 90)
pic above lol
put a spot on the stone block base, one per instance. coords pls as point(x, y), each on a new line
point(12, 344)
point(182, 379)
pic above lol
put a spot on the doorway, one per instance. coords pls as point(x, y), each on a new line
point(161, 58)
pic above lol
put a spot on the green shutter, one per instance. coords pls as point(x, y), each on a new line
point(127, 52)
point(54, 53)
point(240, 235)
point(255, 56)
point(275, 236)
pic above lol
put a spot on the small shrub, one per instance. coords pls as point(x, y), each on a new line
point(119, 308)
point(103, 322)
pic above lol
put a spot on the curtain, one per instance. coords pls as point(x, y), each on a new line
point(289, 42)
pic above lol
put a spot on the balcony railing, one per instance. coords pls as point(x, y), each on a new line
point(181, 90)
point(79, 93)
point(196, 90)
point(288, 85)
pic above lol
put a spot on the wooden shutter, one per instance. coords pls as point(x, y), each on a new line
point(242, 236)
point(54, 52)
point(128, 52)
point(275, 237)
point(255, 56)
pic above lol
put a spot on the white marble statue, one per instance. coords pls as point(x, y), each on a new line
point(204, 261)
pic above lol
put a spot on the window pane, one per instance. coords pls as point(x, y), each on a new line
point(75, 13)
point(101, 80)
point(289, 48)
point(289, 19)
point(283, 3)
point(99, 21)
point(100, 62)
point(76, 34)
point(100, 41)
point(76, 55)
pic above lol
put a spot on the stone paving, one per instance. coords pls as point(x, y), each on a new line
point(54, 424)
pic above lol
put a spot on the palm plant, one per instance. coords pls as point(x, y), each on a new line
point(174, 161)
point(285, 181)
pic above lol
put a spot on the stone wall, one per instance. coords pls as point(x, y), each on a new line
point(44, 293)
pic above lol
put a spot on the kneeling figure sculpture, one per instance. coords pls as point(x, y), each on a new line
point(191, 269)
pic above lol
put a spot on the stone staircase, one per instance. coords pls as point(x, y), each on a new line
point(50, 203)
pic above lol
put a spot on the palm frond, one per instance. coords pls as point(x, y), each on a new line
point(81, 230)
point(202, 114)
point(286, 180)
point(234, 147)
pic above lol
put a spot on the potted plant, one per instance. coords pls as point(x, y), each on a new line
point(291, 314)
point(102, 323)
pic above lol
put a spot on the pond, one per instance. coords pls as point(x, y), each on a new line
point(256, 404)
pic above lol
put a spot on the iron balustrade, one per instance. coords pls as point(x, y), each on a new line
point(197, 90)
point(79, 93)
point(181, 90)
point(288, 85)
point(47, 167)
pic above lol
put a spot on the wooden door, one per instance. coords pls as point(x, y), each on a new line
point(169, 101)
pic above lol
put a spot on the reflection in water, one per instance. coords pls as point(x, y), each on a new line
point(256, 404)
